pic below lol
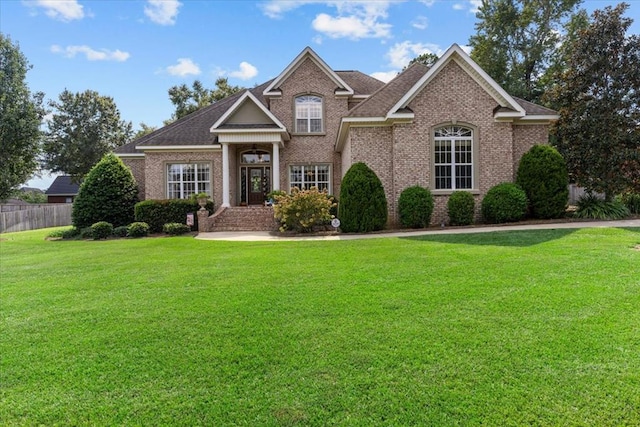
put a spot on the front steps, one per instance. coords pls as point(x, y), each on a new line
point(241, 218)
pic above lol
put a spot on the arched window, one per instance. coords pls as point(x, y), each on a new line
point(453, 156)
point(309, 114)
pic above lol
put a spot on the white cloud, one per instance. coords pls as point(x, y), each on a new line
point(467, 49)
point(400, 54)
point(353, 19)
point(459, 6)
point(475, 6)
point(163, 12)
point(91, 54)
point(246, 71)
point(385, 76)
point(429, 3)
point(62, 10)
point(317, 39)
point(184, 67)
point(421, 23)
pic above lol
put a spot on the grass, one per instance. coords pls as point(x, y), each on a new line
point(506, 328)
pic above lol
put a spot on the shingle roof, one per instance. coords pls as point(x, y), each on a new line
point(63, 186)
point(381, 101)
point(535, 109)
point(362, 84)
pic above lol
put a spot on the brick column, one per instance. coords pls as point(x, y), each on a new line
point(225, 175)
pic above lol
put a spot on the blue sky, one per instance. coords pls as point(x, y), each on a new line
point(134, 50)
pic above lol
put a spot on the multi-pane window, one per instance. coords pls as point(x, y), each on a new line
point(186, 179)
point(307, 176)
point(453, 158)
point(308, 114)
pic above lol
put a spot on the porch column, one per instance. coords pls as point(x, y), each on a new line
point(275, 166)
point(225, 175)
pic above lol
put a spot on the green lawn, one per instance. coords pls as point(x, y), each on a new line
point(507, 328)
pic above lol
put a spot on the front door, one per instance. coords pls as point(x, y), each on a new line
point(256, 186)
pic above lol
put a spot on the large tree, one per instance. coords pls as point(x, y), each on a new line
point(20, 117)
point(187, 100)
point(598, 97)
point(84, 127)
point(516, 42)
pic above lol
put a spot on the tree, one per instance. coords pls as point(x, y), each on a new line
point(363, 204)
point(427, 59)
point(20, 117)
point(108, 193)
point(516, 42)
point(84, 127)
point(187, 100)
point(599, 128)
point(145, 129)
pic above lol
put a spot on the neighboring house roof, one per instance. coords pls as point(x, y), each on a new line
point(63, 186)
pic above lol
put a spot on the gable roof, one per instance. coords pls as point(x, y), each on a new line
point(63, 186)
point(307, 53)
point(361, 83)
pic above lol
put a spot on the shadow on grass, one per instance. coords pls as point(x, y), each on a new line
point(516, 238)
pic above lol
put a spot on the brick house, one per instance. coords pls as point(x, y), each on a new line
point(446, 127)
point(62, 190)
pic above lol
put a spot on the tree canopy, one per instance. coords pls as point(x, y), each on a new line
point(20, 116)
point(187, 100)
point(597, 93)
point(84, 127)
point(516, 42)
point(427, 59)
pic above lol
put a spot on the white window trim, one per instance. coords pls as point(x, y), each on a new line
point(474, 158)
point(182, 181)
point(309, 165)
point(308, 118)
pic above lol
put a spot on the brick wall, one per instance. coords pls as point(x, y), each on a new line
point(308, 78)
point(137, 169)
point(525, 137)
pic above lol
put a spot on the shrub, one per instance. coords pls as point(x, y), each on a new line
point(631, 201)
point(175, 229)
point(108, 193)
point(542, 174)
point(363, 204)
point(590, 206)
point(504, 202)
point(101, 230)
point(120, 231)
point(70, 233)
point(334, 206)
point(56, 234)
point(415, 207)
point(157, 213)
point(86, 233)
point(138, 229)
point(461, 207)
point(302, 209)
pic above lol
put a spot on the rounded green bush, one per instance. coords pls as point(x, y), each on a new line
point(505, 202)
point(120, 231)
point(461, 207)
point(86, 233)
point(415, 207)
point(138, 229)
point(108, 193)
point(101, 230)
point(363, 204)
point(175, 228)
point(542, 174)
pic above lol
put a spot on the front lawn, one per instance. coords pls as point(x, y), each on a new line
point(503, 328)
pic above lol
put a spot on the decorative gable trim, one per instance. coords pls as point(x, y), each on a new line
point(343, 89)
point(455, 53)
point(247, 97)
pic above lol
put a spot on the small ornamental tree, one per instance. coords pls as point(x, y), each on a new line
point(542, 174)
point(415, 207)
point(108, 193)
point(302, 209)
point(363, 204)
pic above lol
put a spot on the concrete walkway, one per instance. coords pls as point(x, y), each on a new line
point(255, 236)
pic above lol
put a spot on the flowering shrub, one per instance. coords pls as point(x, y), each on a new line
point(301, 210)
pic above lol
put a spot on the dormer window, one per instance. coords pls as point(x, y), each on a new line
point(309, 114)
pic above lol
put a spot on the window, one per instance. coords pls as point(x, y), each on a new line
point(309, 114)
point(307, 176)
point(453, 158)
point(183, 180)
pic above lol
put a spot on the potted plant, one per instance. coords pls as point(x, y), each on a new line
point(202, 198)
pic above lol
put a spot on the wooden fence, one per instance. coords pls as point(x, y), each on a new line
point(54, 215)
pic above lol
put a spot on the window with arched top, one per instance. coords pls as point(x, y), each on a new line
point(308, 109)
point(453, 155)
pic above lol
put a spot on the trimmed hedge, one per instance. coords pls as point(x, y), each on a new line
point(542, 174)
point(175, 229)
point(363, 204)
point(157, 213)
point(101, 230)
point(138, 229)
point(415, 207)
point(505, 202)
point(461, 207)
